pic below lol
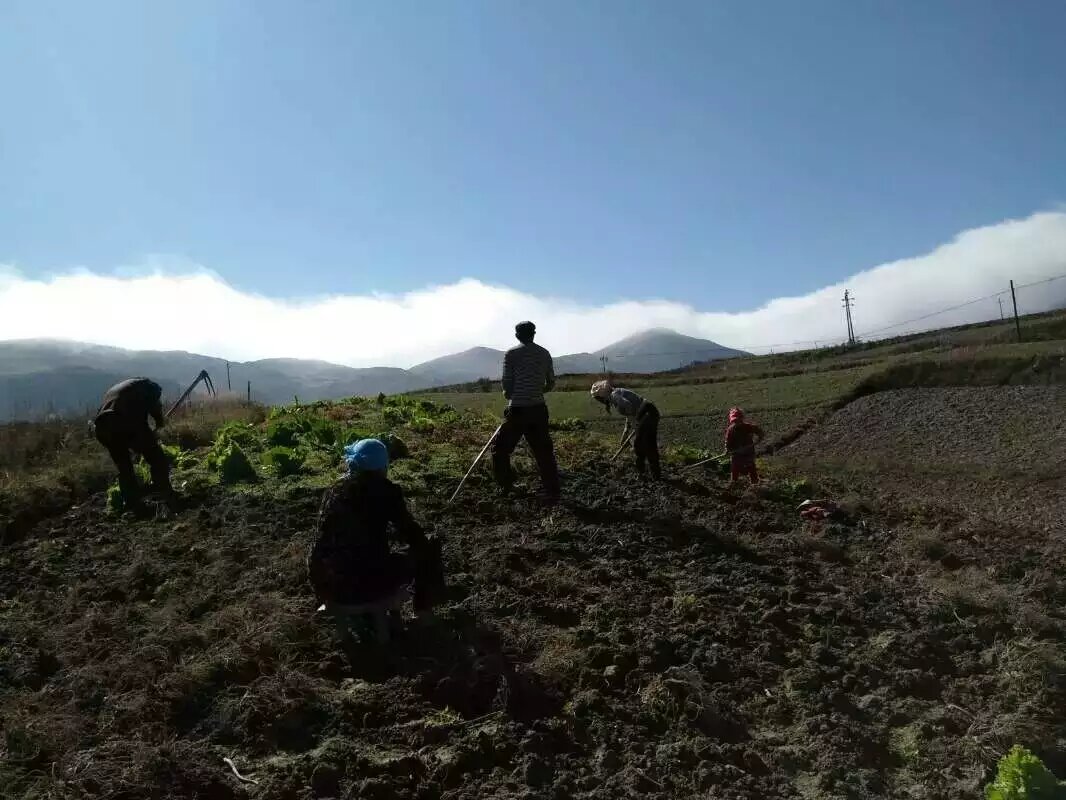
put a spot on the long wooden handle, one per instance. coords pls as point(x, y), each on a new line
point(707, 461)
point(203, 376)
point(626, 442)
point(476, 460)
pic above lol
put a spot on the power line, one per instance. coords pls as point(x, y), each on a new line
point(832, 342)
point(931, 314)
point(961, 305)
point(1038, 283)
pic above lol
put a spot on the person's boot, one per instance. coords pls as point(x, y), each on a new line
point(656, 470)
point(166, 493)
point(132, 495)
point(549, 496)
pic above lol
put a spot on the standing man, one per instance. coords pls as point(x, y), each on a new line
point(527, 374)
point(121, 426)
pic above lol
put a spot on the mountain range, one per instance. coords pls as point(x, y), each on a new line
point(654, 350)
point(43, 376)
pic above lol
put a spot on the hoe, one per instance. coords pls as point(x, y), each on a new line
point(626, 442)
point(479, 456)
point(202, 377)
point(711, 460)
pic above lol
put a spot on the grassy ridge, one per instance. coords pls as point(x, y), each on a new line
point(794, 391)
point(826, 384)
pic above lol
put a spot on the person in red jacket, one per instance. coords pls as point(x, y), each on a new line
point(740, 440)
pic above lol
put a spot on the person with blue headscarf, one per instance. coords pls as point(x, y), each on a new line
point(351, 562)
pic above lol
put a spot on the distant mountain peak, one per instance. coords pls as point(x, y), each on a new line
point(479, 350)
point(70, 376)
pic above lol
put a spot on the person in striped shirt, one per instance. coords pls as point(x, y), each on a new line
point(635, 409)
point(527, 374)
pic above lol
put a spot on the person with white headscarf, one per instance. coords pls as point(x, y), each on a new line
point(637, 411)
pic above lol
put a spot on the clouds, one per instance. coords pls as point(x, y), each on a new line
point(195, 310)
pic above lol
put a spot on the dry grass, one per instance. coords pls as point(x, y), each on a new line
point(561, 658)
point(46, 467)
point(194, 424)
point(1028, 672)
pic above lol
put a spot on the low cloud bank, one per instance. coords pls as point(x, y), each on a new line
point(197, 311)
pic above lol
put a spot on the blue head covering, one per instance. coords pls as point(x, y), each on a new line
point(366, 455)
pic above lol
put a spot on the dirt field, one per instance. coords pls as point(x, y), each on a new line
point(999, 452)
point(680, 640)
point(985, 427)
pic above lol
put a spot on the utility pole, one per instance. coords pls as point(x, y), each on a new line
point(1000, 301)
point(1017, 324)
point(249, 391)
point(229, 384)
point(848, 303)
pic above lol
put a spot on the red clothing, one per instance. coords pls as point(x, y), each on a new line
point(740, 438)
point(737, 470)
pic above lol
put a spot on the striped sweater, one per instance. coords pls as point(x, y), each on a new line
point(527, 374)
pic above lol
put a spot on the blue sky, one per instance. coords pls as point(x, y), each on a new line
point(712, 153)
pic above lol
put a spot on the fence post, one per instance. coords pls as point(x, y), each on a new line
point(1017, 324)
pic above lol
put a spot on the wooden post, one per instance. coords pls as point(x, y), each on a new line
point(1017, 324)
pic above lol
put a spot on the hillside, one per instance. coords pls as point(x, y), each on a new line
point(44, 376)
point(654, 350)
point(680, 639)
point(649, 351)
point(469, 365)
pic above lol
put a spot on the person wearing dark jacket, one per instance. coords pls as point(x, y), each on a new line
point(351, 562)
point(636, 410)
point(121, 426)
point(527, 374)
point(740, 440)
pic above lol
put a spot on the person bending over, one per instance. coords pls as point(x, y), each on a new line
point(639, 411)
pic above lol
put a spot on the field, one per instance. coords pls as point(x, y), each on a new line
point(786, 394)
point(673, 640)
point(1000, 451)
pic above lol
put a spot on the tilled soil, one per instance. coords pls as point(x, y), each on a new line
point(997, 451)
point(997, 426)
point(664, 641)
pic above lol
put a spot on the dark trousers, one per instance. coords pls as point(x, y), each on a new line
point(532, 423)
point(743, 465)
point(120, 440)
point(646, 440)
